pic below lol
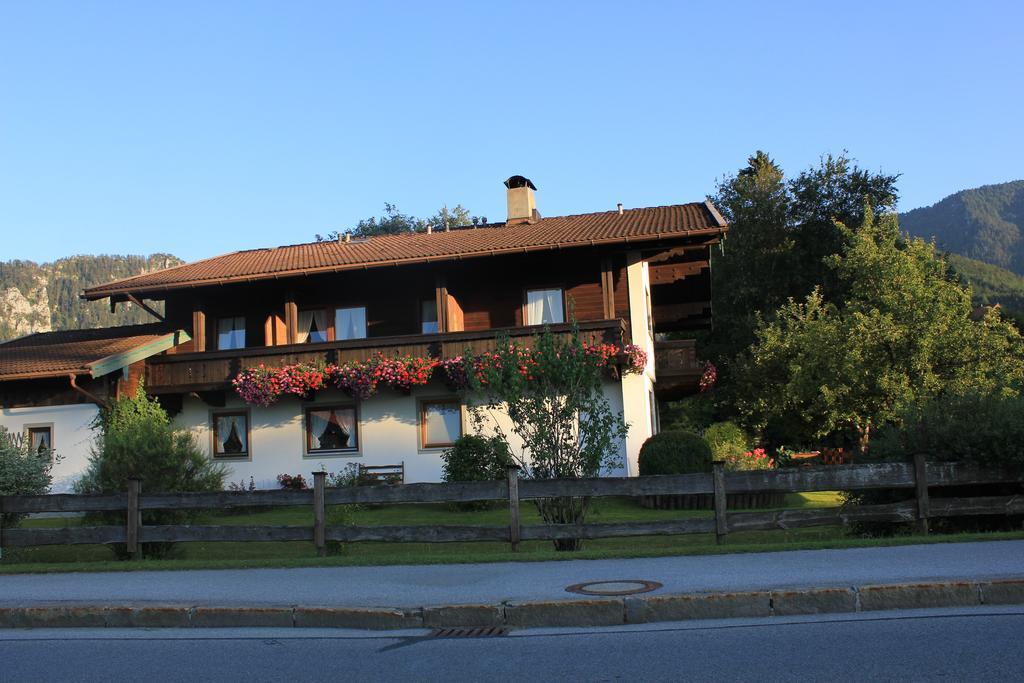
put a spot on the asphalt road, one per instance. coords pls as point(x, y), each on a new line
point(978, 644)
point(405, 586)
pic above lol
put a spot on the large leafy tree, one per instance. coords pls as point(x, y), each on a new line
point(902, 333)
point(394, 222)
point(780, 234)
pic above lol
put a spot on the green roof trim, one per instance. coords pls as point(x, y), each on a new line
point(105, 366)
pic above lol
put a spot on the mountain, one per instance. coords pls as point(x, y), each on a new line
point(985, 223)
point(39, 297)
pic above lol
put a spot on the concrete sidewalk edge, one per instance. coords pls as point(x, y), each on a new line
point(537, 614)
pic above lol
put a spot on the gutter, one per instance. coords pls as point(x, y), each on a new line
point(89, 395)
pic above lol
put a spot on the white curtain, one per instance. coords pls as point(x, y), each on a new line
point(443, 423)
point(232, 435)
point(544, 307)
point(332, 429)
point(350, 323)
point(231, 333)
point(312, 326)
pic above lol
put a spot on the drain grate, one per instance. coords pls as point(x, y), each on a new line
point(484, 632)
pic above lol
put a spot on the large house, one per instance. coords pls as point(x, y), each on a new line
point(627, 276)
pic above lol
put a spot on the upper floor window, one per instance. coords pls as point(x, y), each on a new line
point(312, 326)
point(350, 323)
point(428, 317)
point(544, 307)
point(231, 333)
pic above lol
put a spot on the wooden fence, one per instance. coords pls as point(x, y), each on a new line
point(917, 477)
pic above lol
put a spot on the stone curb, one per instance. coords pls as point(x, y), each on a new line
point(537, 614)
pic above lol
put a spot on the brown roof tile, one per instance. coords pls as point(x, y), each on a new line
point(52, 354)
point(609, 227)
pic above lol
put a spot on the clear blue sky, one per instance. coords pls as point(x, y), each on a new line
point(198, 128)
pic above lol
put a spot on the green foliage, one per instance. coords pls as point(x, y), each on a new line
point(904, 334)
point(991, 285)
point(779, 233)
point(135, 439)
point(558, 411)
point(23, 471)
point(979, 428)
point(675, 453)
point(984, 223)
point(726, 440)
point(394, 222)
point(690, 414)
point(477, 458)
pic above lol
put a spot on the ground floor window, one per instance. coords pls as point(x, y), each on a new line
point(40, 439)
point(331, 429)
point(440, 422)
point(231, 435)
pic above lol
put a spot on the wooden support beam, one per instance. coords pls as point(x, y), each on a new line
point(145, 307)
point(441, 301)
point(607, 289)
point(291, 319)
point(198, 329)
point(668, 273)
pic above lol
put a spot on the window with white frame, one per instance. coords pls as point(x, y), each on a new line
point(544, 307)
point(231, 333)
point(350, 323)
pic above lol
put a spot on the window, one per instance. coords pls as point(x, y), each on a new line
point(440, 423)
point(231, 435)
point(231, 333)
point(428, 317)
point(331, 429)
point(40, 439)
point(544, 307)
point(350, 323)
point(312, 326)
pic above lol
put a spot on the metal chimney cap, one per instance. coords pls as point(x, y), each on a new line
point(519, 181)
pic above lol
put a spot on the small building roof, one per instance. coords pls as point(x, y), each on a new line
point(83, 352)
point(559, 232)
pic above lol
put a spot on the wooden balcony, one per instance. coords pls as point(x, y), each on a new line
point(677, 368)
point(214, 370)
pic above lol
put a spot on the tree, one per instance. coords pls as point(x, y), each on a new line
point(135, 439)
point(554, 400)
point(904, 334)
point(23, 471)
point(780, 233)
point(394, 222)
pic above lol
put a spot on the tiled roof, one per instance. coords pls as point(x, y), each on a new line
point(53, 354)
point(610, 227)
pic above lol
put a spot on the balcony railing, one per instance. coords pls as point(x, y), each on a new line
point(677, 368)
point(214, 370)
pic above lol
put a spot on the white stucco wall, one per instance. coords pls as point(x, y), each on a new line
point(637, 390)
point(388, 433)
point(72, 436)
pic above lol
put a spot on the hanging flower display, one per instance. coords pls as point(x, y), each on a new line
point(263, 386)
point(709, 376)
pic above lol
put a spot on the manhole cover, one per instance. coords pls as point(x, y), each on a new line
point(617, 587)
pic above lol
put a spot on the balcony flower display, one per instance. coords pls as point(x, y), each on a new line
point(264, 386)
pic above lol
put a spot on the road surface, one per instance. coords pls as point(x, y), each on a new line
point(979, 644)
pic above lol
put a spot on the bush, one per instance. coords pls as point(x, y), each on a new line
point(294, 483)
point(726, 440)
point(23, 471)
point(476, 458)
point(136, 440)
point(675, 452)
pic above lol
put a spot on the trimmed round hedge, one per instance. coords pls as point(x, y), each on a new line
point(675, 452)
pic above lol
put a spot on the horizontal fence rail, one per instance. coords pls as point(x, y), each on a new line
point(918, 475)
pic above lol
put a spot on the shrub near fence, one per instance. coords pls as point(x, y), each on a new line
point(917, 477)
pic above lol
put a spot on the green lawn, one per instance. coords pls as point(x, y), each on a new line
point(302, 554)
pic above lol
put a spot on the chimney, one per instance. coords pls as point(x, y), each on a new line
point(619, 206)
point(522, 207)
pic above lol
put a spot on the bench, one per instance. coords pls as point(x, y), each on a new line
point(373, 475)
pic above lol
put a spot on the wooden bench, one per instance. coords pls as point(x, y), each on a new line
point(373, 475)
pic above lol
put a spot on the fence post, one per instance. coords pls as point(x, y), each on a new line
point(721, 522)
point(319, 514)
point(513, 507)
point(921, 488)
point(133, 519)
point(2, 527)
